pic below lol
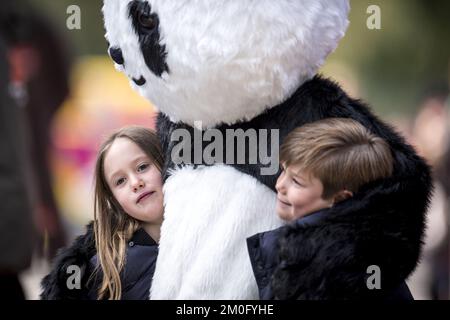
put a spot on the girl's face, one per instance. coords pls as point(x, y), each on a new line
point(134, 180)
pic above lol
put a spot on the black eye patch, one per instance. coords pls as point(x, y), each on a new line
point(146, 25)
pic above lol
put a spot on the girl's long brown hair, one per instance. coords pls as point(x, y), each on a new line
point(112, 226)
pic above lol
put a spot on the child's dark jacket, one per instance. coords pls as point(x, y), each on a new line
point(326, 255)
point(136, 277)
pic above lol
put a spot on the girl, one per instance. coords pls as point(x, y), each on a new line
point(117, 256)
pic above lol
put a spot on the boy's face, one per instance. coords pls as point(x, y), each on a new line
point(299, 194)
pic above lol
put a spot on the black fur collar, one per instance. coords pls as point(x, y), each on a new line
point(79, 253)
point(54, 285)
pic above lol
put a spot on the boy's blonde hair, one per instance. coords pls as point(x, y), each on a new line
point(340, 152)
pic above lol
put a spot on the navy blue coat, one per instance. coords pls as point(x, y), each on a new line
point(136, 277)
point(312, 273)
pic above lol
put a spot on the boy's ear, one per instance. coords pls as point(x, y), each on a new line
point(342, 195)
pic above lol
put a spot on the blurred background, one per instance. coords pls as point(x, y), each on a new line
point(60, 96)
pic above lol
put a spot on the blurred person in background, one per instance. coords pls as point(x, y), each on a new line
point(16, 224)
point(39, 83)
point(430, 133)
point(440, 283)
point(36, 80)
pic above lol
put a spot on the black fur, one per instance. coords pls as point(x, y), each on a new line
point(316, 99)
point(54, 285)
point(149, 37)
point(389, 217)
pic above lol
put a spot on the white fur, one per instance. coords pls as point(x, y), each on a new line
point(209, 213)
point(229, 60)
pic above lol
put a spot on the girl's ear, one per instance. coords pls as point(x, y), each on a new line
point(342, 195)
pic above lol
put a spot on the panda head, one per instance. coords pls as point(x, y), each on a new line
point(220, 61)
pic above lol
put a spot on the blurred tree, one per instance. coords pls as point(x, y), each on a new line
point(396, 64)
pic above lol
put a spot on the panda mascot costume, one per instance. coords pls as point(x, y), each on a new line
point(245, 66)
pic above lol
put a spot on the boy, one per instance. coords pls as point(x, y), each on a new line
point(325, 253)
